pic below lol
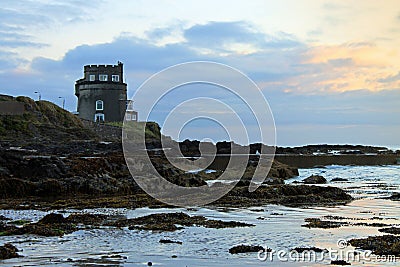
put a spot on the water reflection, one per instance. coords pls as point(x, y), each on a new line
point(277, 227)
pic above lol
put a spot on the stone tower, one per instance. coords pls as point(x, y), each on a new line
point(102, 94)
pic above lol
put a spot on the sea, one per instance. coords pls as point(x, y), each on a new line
point(276, 227)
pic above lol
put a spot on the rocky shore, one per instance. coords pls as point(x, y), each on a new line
point(52, 169)
point(53, 179)
point(50, 160)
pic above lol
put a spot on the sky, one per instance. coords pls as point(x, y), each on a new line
point(330, 70)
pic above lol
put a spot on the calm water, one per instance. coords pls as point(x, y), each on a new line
point(277, 227)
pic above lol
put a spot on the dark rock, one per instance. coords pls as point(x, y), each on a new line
point(315, 179)
point(87, 219)
point(19, 222)
point(169, 222)
point(6, 229)
point(45, 230)
point(390, 230)
point(177, 176)
point(325, 148)
point(288, 195)
point(315, 249)
point(274, 176)
point(318, 223)
point(190, 148)
point(274, 181)
point(335, 217)
point(340, 262)
point(245, 249)
point(4, 172)
point(14, 187)
point(49, 188)
point(371, 224)
point(395, 196)
point(379, 245)
point(4, 218)
point(34, 168)
point(277, 170)
point(8, 251)
point(106, 175)
point(52, 218)
point(52, 224)
point(168, 241)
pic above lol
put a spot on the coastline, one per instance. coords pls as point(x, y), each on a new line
point(71, 185)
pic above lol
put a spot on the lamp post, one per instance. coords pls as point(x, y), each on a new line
point(63, 102)
point(40, 95)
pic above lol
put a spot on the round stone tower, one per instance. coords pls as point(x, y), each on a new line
point(102, 93)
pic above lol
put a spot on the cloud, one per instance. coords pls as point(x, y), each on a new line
point(166, 35)
point(341, 62)
point(21, 18)
point(299, 69)
point(288, 65)
point(135, 53)
point(217, 33)
point(390, 78)
point(334, 6)
point(325, 86)
point(360, 107)
point(28, 13)
point(8, 62)
point(231, 36)
point(346, 67)
point(14, 40)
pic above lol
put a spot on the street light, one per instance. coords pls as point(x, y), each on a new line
point(40, 96)
point(63, 102)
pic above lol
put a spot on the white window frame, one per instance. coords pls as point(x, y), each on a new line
point(99, 102)
point(129, 105)
point(99, 117)
point(92, 77)
point(128, 116)
point(134, 117)
point(103, 77)
point(115, 78)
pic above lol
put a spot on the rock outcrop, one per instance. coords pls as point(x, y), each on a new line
point(379, 245)
point(315, 179)
point(246, 249)
point(8, 251)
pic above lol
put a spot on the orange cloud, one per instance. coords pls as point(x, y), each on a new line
point(351, 66)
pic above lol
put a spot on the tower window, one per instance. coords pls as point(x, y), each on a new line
point(92, 77)
point(129, 105)
point(103, 77)
point(98, 117)
point(99, 105)
point(115, 78)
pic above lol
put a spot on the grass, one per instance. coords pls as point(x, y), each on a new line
point(20, 222)
point(39, 117)
point(45, 119)
point(151, 130)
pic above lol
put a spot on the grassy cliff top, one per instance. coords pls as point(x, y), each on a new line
point(40, 120)
point(151, 129)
